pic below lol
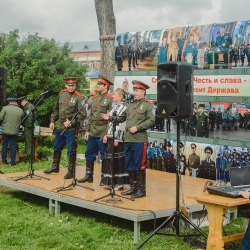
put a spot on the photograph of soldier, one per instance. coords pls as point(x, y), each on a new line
point(180, 43)
point(235, 54)
point(224, 119)
point(202, 122)
point(218, 164)
point(119, 54)
point(246, 118)
point(172, 49)
point(218, 118)
point(247, 50)
point(169, 160)
point(150, 155)
point(155, 153)
point(182, 157)
point(207, 168)
point(161, 166)
point(242, 54)
point(193, 161)
point(212, 119)
point(191, 50)
point(163, 51)
point(236, 119)
point(224, 39)
point(129, 54)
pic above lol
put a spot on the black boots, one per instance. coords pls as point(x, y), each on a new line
point(132, 179)
point(71, 167)
point(89, 172)
point(140, 185)
point(55, 163)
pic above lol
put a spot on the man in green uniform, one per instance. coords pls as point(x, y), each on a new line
point(97, 127)
point(68, 103)
point(207, 169)
point(28, 126)
point(139, 117)
point(193, 161)
point(202, 122)
point(10, 117)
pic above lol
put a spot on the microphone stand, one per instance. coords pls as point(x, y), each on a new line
point(31, 172)
point(177, 214)
point(74, 181)
point(112, 190)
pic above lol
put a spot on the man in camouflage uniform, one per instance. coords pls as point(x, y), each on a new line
point(68, 103)
point(202, 122)
point(207, 169)
point(28, 126)
point(139, 117)
point(193, 161)
point(97, 127)
point(10, 116)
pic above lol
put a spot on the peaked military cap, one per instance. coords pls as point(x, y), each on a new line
point(22, 98)
point(193, 145)
point(201, 105)
point(105, 81)
point(139, 85)
point(70, 80)
point(12, 99)
point(208, 150)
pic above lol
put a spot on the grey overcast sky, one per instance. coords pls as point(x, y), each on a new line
point(75, 20)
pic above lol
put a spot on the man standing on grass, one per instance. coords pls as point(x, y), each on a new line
point(10, 117)
point(28, 126)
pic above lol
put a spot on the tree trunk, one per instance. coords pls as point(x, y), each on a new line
point(107, 30)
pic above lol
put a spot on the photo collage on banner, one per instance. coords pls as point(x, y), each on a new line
point(212, 46)
point(196, 157)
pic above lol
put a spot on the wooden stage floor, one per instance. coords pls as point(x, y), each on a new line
point(160, 186)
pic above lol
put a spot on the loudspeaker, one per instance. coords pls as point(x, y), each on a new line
point(3, 84)
point(175, 90)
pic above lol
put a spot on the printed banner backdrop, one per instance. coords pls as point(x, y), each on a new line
point(218, 85)
point(212, 46)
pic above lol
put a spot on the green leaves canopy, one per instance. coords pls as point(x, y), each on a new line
point(36, 64)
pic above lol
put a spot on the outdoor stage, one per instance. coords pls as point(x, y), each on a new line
point(161, 194)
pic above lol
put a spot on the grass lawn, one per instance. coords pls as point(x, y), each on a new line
point(25, 223)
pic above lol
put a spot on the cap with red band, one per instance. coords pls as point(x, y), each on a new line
point(139, 85)
point(70, 80)
point(105, 81)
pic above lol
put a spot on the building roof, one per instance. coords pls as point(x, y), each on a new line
point(89, 46)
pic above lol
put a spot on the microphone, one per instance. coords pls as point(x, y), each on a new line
point(130, 97)
point(46, 92)
point(91, 94)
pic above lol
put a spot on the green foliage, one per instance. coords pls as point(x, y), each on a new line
point(36, 64)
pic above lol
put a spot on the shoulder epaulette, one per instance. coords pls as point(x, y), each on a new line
point(205, 113)
point(64, 90)
point(109, 95)
point(148, 101)
point(78, 93)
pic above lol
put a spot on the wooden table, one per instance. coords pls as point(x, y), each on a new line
point(35, 146)
point(216, 206)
